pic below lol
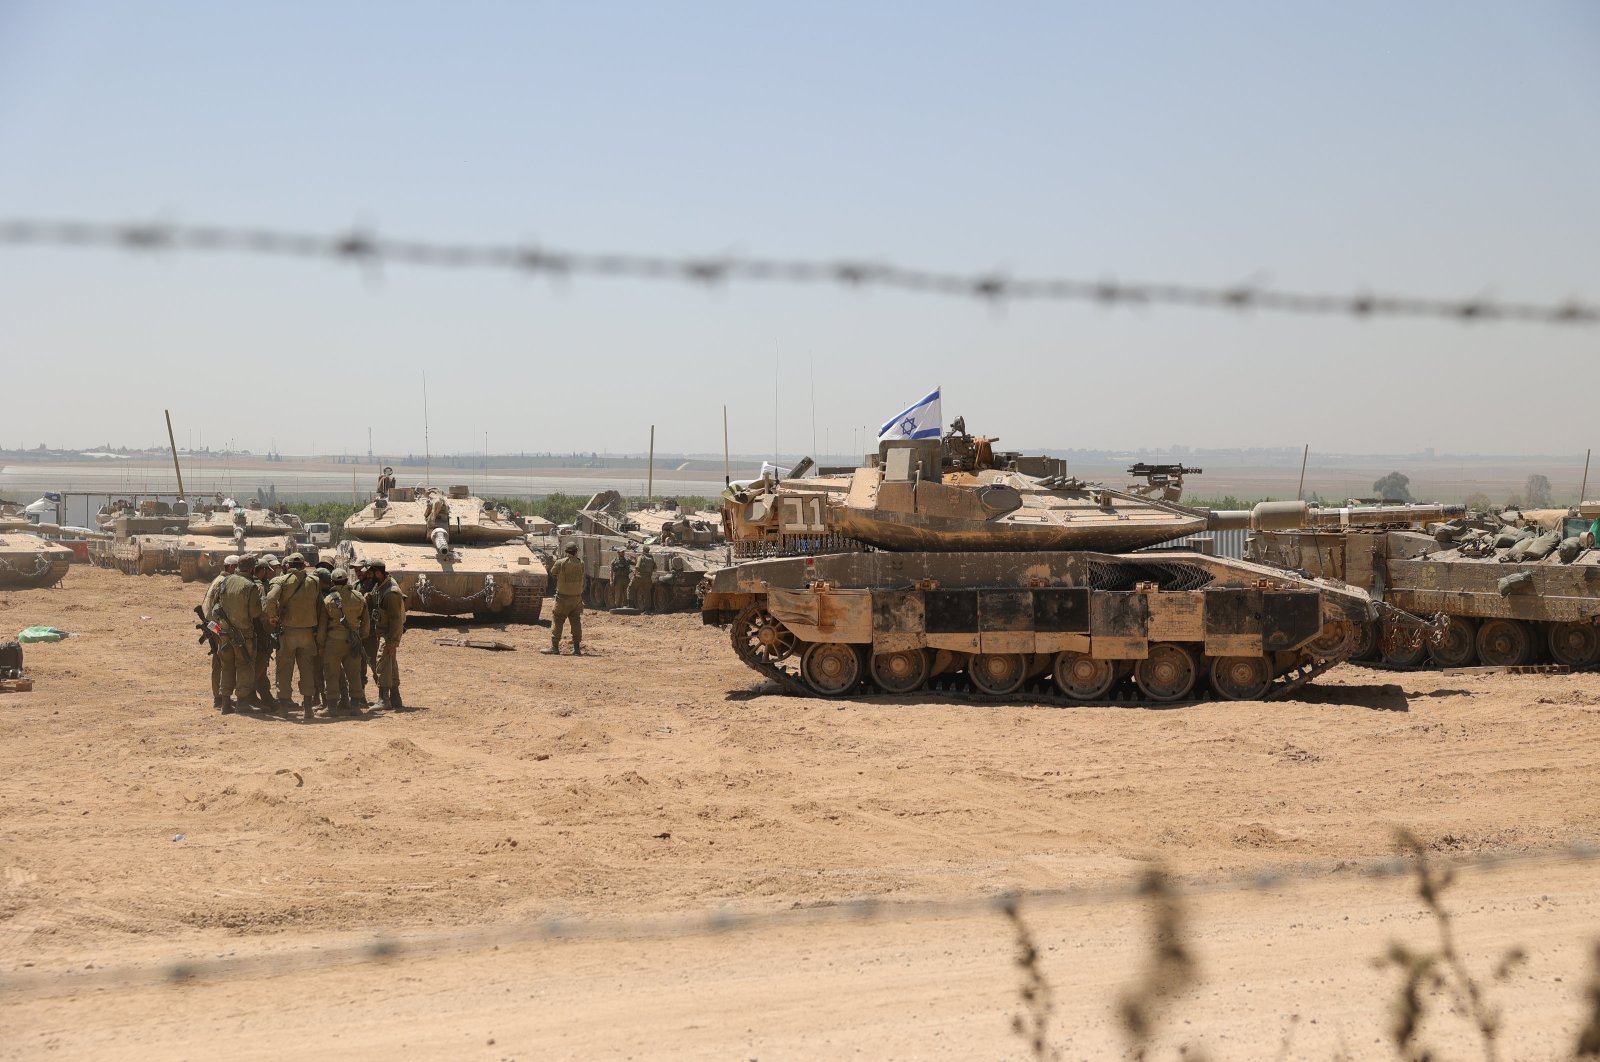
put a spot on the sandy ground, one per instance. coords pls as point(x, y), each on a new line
point(647, 780)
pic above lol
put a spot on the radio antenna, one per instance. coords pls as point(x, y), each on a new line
point(427, 456)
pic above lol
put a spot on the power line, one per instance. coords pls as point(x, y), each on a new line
point(391, 947)
point(369, 249)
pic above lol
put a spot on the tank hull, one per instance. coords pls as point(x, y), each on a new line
point(501, 582)
point(31, 562)
point(1076, 626)
point(1502, 612)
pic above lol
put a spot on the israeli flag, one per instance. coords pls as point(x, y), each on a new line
point(922, 421)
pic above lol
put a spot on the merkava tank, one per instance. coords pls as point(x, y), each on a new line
point(451, 553)
point(942, 563)
point(141, 537)
point(1515, 589)
point(686, 546)
point(29, 561)
point(217, 530)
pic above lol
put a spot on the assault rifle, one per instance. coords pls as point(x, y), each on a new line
point(208, 631)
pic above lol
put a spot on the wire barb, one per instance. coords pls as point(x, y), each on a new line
point(370, 250)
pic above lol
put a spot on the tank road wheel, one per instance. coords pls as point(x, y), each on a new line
point(1457, 645)
point(1240, 678)
point(902, 672)
point(1082, 677)
point(1167, 674)
point(1366, 642)
point(756, 634)
point(1575, 644)
point(1504, 643)
point(998, 674)
point(830, 668)
point(1337, 640)
point(1402, 647)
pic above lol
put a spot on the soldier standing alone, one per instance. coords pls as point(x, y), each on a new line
point(568, 575)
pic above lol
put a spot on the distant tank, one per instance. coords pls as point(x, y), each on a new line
point(1516, 591)
point(451, 553)
point(686, 546)
point(216, 531)
point(141, 537)
point(944, 562)
point(29, 561)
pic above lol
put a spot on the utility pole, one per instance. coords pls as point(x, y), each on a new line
point(650, 488)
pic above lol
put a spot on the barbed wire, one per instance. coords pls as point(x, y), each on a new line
point(368, 249)
point(393, 947)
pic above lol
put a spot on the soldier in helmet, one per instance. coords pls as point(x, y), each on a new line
point(568, 574)
point(293, 602)
point(266, 570)
point(236, 609)
point(345, 625)
point(642, 586)
point(387, 605)
point(230, 566)
point(324, 575)
point(621, 569)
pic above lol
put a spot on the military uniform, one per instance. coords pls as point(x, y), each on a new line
point(292, 605)
point(218, 696)
point(621, 568)
point(642, 587)
point(237, 607)
point(388, 608)
point(568, 576)
point(264, 644)
point(344, 625)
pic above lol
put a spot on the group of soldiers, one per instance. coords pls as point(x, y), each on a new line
point(315, 622)
point(633, 582)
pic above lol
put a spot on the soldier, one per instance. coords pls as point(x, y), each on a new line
point(568, 575)
point(366, 577)
point(236, 609)
point(621, 567)
point(266, 570)
point(345, 624)
point(642, 587)
point(319, 674)
point(230, 565)
point(292, 604)
point(388, 606)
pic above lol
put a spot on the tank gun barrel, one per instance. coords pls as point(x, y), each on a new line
point(1291, 515)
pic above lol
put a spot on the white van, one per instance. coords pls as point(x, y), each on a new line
point(321, 534)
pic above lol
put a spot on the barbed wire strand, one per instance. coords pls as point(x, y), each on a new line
point(390, 947)
point(369, 249)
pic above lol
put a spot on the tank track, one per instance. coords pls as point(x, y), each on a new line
point(526, 601)
point(1035, 691)
point(42, 576)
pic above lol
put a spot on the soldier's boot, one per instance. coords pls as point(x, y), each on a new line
point(221, 704)
point(382, 703)
point(554, 650)
point(311, 709)
point(394, 697)
point(577, 650)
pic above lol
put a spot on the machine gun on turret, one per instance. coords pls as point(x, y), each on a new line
point(1164, 481)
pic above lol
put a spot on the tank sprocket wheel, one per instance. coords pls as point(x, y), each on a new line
point(1241, 678)
point(1082, 677)
point(1167, 674)
point(1575, 644)
point(1336, 641)
point(1457, 644)
point(1504, 643)
point(902, 672)
point(757, 635)
point(831, 669)
point(997, 674)
point(1366, 642)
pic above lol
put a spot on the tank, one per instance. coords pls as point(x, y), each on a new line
point(1514, 591)
point(218, 530)
point(29, 561)
point(945, 564)
point(686, 547)
point(451, 553)
point(140, 538)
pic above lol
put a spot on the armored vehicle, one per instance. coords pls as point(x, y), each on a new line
point(1514, 593)
point(451, 553)
point(686, 546)
point(216, 531)
point(944, 563)
point(141, 537)
point(28, 561)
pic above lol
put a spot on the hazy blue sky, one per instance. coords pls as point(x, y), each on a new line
point(1448, 148)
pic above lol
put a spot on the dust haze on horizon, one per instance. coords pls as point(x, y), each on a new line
point(1437, 150)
